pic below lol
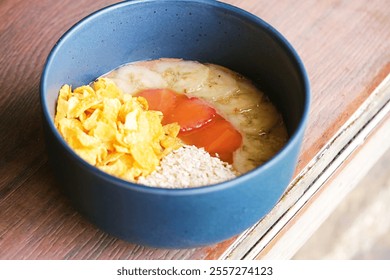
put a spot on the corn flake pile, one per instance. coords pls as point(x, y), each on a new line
point(114, 131)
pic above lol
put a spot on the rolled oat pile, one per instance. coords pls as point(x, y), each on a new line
point(189, 167)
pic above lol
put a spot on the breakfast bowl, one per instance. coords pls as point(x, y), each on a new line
point(196, 30)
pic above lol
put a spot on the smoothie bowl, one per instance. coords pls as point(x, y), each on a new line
point(172, 123)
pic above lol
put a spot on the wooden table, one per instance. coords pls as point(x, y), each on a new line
point(345, 46)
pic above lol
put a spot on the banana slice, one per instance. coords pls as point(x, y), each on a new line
point(182, 76)
point(134, 78)
point(221, 84)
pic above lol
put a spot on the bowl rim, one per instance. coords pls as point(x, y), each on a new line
point(118, 182)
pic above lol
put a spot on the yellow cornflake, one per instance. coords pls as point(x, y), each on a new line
point(113, 131)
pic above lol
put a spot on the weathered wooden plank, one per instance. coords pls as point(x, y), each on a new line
point(345, 59)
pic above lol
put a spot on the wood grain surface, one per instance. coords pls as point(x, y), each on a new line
point(344, 45)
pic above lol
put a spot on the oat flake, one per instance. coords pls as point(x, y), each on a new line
point(189, 167)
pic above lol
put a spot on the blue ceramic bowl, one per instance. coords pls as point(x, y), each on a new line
point(206, 31)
